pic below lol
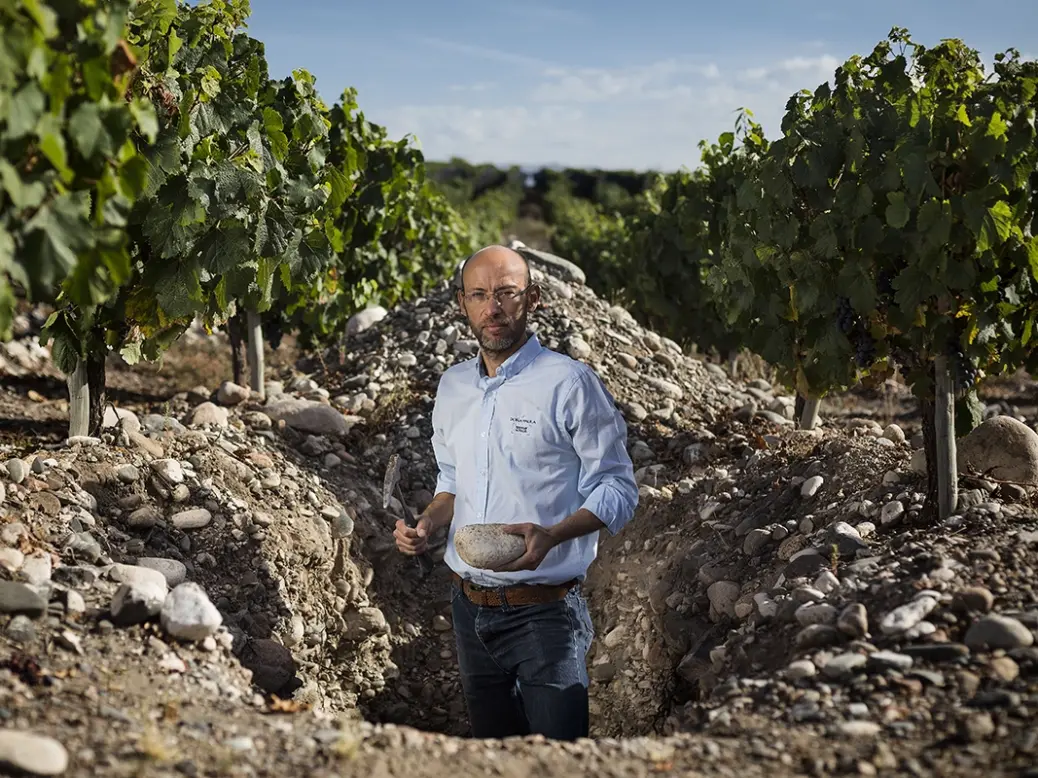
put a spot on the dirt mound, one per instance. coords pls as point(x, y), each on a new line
point(773, 592)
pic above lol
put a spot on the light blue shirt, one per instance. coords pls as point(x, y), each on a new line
point(535, 443)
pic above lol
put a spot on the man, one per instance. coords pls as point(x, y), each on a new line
point(530, 438)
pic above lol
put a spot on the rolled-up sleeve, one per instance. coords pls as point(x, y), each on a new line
point(599, 435)
point(445, 479)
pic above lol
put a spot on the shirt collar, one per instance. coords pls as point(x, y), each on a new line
point(526, 354)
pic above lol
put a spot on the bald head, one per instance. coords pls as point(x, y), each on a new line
point(496, 296)
point(505, 265)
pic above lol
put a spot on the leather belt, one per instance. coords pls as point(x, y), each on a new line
point(517, 594)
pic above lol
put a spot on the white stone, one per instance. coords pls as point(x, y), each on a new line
point(811, 486)
point(907, 616)
point(230, 393)
point(816, 613)
point(485, 546)
point(363, 320)
point(827, 582)
point(208, 415)
point(309, 416)
point(31, 753)
point(169, 470)
point(187, 613)
point(801, 668)
point(195, 518)
point(891, 512)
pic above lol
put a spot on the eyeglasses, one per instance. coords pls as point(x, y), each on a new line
point(504, 297)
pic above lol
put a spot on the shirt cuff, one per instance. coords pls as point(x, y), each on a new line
point(609, 506)
point(445, 483)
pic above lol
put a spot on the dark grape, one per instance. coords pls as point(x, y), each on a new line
point(845, 318)
point(864, 349)
point(273, 330)
point(967, 373)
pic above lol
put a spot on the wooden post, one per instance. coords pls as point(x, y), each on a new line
point(809, 417)
point(78, 400)
point(255, 351)
point(944, 428)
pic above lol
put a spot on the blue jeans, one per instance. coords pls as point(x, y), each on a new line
point(524, 667)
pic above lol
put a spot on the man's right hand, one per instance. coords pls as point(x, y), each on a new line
point(413, 541)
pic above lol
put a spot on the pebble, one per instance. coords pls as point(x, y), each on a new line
point(37, 568)
point(857, 728)
point(846, 538)
point(891, 512)
point(17, 470)
point(937, 652)
point(975, 598)
point(811, 486)
point(195, 518)
point(854, 620)
point(11, 559)
point(816, 613)
point(907, 616)
point(827, 582)
point(32, 753)
point(723, 596)
point(800, 669)
point(173, 571)
point(188, 614)
point(169, 470)
point(1005, 668)
point(995, 631)
point(137, 601)
point(889, 660)
point(843, 666)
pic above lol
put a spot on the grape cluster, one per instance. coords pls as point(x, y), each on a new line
point(967, 373)
point(845, 317)
point(853, 326)
point(273, 330)
point(864, 348)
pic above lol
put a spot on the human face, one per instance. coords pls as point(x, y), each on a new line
point(497, 299)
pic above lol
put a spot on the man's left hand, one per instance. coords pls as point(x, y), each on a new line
point(538, 543)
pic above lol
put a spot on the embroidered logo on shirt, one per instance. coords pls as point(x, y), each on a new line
point(521, 426)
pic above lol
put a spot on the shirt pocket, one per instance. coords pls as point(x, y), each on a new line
point(530, 440)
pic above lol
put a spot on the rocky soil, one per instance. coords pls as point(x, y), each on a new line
point(211, 587)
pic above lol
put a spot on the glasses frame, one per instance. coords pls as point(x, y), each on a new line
point(512, 296)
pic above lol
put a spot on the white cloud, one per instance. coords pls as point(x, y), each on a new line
point(642, 116)
point(485, 52)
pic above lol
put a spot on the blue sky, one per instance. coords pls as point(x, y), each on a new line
point(600, 83)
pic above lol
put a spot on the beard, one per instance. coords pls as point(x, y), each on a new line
point(501, 340)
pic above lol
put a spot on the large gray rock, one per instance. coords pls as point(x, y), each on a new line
point(486, 547)
point(996, 631)
point(310, 416)
point(1003, 448)
point(365, 319)
point(563, 268)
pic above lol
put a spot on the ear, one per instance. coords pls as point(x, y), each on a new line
point(461, 301)
point(533, 297)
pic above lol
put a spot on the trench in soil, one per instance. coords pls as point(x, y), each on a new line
point(427, 694)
